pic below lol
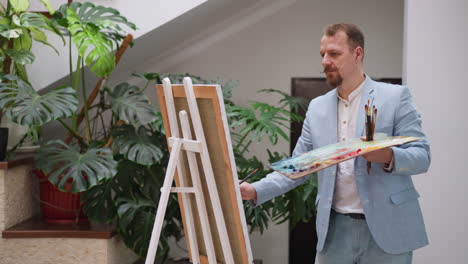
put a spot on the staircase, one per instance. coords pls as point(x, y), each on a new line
point(26, 239)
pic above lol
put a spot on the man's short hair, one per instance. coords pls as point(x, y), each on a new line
point(355, 35)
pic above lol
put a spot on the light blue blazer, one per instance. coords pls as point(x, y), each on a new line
point(390, 200)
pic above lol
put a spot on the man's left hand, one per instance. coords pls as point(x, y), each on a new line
point(384, 155)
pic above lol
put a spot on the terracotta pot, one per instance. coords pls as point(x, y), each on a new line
point(58, 206)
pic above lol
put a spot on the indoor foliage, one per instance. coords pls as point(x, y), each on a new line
point(137, 190)
point(118, 156)
point(19, 29)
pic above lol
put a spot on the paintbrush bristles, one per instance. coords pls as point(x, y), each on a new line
point(374, 119)
point(371, 116)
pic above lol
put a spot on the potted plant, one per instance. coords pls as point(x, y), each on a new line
point(18, 30)
point(81, 163)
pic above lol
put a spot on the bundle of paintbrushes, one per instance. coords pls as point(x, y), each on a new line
point(371, 116)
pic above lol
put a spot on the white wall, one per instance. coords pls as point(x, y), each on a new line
point(436, 70)
point(267, 53)
point(146, 14)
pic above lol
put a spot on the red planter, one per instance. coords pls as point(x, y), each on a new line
point(58, 206)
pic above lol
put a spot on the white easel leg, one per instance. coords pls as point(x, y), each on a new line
point(189, 219)
point(162, 206)
point(190, 232)
point(208, 169)
point(200, 199)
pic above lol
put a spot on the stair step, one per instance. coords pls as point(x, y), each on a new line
point(34, 241)
point(36, 228)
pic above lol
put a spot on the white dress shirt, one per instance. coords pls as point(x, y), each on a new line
point(346, 198)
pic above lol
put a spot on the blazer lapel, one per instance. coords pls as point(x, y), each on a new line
point(368, 92)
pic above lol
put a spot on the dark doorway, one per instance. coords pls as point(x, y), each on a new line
point(303, 237)
point(308, 88)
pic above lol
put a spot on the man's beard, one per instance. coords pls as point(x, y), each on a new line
point(334, 81)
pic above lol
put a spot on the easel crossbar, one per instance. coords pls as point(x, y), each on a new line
point(183, 190)
point(188, 145)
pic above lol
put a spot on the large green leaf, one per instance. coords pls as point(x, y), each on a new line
point(128, 103)
point(98, 202)
point(20, 71)
point(35, 20)
point(49, 6)
point(108, 20)
point(36, 23)
point(24, 41)
point(137, 146)
point(21, 56)
point(297, 205)
point(257, 217)
point(19, 5)
point(10, 33)
point(85, 169)
point(260, 120)
point(92, 45)
point(103, 17)
point(136, 219)
point(295, 103)
point(94, 29)
point(26, 106)
point(41, 37)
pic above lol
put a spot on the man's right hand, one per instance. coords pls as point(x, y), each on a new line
point(248, 192)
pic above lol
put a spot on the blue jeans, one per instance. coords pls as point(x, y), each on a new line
point(349, 241)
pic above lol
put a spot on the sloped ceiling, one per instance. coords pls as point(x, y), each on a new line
point(210, 20)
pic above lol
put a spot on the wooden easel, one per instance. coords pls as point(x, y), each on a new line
point(178, 144)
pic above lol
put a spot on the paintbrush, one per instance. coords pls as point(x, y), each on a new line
point(374, 119)
point(248, 176)
point(370, 126)
point(368, 123)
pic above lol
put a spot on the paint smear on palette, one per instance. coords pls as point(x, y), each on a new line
point(324, 157)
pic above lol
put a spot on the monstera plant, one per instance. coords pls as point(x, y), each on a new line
point(116, 157)
point(19, 29)
point(95, 32)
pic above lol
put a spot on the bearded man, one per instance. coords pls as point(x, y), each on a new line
point(361, 218)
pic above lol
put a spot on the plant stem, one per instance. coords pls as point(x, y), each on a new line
point(70, 59)
point(246, 147)
point(103, 124)
point(239, 143)
point(75, 87)
point(7, 60)
point(7, 13)
point(85, 97)
point(146, 86)
point(20, 142)
point(73, 133)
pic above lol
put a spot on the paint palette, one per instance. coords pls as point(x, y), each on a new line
point(324, 157)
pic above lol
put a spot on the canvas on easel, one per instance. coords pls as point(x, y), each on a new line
point(214, 221)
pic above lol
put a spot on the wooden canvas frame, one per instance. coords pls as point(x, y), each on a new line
point(215, 132)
